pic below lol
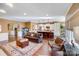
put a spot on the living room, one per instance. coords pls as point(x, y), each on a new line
point(28, 29)
point(14, 31)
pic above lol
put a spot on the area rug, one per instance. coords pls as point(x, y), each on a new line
point(28, 50)
point(9, 50)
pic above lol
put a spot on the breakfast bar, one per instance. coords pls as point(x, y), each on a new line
point(47, 34)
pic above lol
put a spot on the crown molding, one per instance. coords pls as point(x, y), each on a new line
point(24, 19)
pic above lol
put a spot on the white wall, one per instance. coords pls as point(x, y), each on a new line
point(53, 27)
point(43, 27)
point(3, 36)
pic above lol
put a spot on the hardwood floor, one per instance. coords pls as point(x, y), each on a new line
point(44, 50)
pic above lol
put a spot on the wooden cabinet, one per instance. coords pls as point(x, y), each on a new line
point(47, 35)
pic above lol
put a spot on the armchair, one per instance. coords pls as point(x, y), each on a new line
point(57, 45)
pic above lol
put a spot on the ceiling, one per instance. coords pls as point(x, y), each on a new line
point(24, 11)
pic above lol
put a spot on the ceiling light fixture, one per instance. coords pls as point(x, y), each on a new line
point(2, 11)
point(10, 5)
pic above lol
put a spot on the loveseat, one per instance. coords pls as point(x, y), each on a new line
point(34, 37)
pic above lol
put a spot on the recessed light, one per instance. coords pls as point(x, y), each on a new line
point(10, 5)
point(25, 14)
point(46, 14)
point(2, 11)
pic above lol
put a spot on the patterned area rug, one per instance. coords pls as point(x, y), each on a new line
point(28, 50)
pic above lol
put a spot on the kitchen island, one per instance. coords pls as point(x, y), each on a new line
point(47, 34)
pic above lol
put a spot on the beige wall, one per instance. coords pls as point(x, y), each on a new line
point(73, 8)
point(74, 20)
point(28, 25)
point(4, 24)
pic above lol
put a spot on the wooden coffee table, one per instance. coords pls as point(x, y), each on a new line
point(22, 43)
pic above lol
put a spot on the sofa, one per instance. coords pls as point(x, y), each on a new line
point(34, 37)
